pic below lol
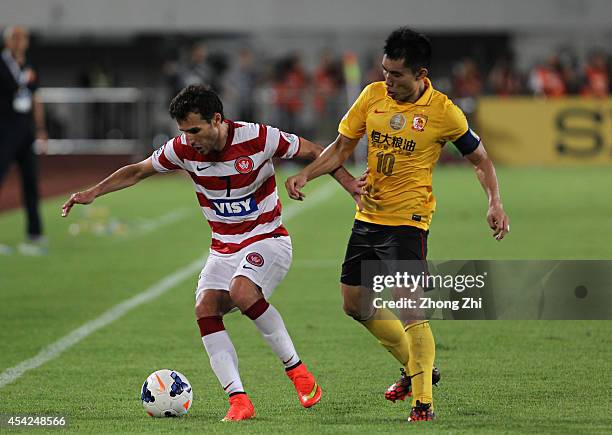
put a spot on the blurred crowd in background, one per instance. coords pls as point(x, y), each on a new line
point(305, 91)
point(310, 99)
point(301, 94)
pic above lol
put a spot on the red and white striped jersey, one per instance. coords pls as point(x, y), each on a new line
point(236, 187)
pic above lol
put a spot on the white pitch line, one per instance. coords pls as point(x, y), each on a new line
point(55, 349)
point(318, 196)
point(146, 226)
point(58, 347)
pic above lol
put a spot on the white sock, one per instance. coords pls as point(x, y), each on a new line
point(273, 330)
point(223, 360)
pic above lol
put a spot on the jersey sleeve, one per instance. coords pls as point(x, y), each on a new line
point(458, 131)
point(353, 124)
point(281, 144)
point(165, 158)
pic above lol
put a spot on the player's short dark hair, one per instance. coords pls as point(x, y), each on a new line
point(196, 99)
point(413, 47)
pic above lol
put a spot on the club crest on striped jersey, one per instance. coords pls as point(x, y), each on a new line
point(255, 259)
point(244, 165)
point(234, 207)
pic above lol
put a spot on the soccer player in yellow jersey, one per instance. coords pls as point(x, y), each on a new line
point(407, 123)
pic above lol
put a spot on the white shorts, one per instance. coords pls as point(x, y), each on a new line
point(265, 262)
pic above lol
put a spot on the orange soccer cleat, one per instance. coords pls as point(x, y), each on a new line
point(309, 392)
point(241, 408)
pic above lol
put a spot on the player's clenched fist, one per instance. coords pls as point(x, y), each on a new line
point(85, 197)
point(293, 186)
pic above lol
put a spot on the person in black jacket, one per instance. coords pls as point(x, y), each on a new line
point(21, 123)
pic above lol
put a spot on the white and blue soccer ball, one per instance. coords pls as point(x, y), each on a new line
point(166, 393)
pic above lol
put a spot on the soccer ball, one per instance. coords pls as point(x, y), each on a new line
point(166, 393)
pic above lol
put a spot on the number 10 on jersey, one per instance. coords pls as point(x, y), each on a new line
point(385, 163)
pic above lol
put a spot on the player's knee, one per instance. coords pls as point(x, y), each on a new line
point(203, 310)
point(352, 310)
point(212, 303)
point(352, 303)
point(244, 292)
point(348, 310)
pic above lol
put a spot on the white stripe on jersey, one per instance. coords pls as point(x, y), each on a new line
point(246, 132)
point(259, 229)
point(168, 151)
point(264, 173)
point(273, 138)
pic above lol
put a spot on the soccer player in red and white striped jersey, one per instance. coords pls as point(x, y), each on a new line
point(236, 186)
point(230, 164)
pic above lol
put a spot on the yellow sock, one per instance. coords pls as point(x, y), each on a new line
point(420, 365)
point(387, 328)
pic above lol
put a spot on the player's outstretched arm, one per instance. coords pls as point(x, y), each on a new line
point(485, 171)
point(354, 186)
point(122, 178)
point(329, 160)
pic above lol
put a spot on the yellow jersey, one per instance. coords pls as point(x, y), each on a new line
point(404, 144)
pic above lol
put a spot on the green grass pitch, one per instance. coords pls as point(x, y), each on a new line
point(510, 376)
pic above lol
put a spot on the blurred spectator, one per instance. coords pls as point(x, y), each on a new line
point(353, 85)
point(21, 122)
point(290, 87)
point(194, 71)
point(218, 64)
point(351, 77)
point(467, 85)
point(244, 79)
point(568, 62)
point(467, 81)
point(503, 78)
point(374, 70)
point(596, 80)
point(547, 80)
point(327, 81)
